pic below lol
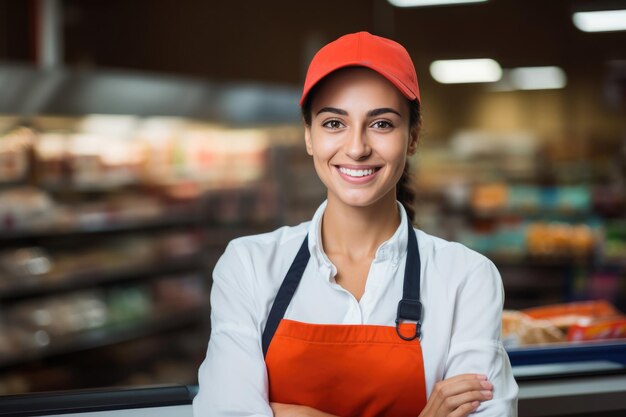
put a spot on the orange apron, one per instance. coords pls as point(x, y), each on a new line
point(348, 370)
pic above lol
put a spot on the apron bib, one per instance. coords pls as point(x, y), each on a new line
point(348, 370)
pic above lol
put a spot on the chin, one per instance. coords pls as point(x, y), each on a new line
point(358, 199)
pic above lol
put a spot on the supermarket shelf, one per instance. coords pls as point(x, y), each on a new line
point(83, 280)
point(180, 219)
point(220, 235)
point(11, 184)
point(539, 262)
point(532, 214)
point(615, 262)
point(557, 263)
point(92, 187)
point(218, 232)
point(109, 335)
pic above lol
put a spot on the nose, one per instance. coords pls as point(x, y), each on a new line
point(357, 146)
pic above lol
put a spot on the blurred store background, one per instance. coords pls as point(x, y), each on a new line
point(138, 137)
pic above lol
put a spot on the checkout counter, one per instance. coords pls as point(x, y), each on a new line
point(556, 381)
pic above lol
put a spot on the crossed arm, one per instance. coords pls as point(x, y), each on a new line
point(457, 396)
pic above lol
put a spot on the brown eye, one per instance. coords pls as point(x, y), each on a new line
point(382, 124)
point(333, 124)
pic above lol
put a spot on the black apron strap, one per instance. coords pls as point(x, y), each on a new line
point(410, 308)
point(285, 293)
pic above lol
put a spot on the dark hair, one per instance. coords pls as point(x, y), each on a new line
point(405, 191)
point(405, 188)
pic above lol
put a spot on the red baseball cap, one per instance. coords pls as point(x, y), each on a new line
point(386, 57)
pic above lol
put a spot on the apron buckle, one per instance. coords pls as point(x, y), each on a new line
point(417, 335)
point(409, 310)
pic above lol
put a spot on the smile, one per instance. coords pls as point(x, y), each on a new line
point(357, 172)
point(356, 175)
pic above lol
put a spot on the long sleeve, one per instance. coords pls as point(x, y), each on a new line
point(233, 377)
point(475, 345)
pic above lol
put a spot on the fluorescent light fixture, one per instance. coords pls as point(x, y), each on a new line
point(466, 71)
point(420, 3)
point(600, 21)
point(537, 78)
point(530, 78)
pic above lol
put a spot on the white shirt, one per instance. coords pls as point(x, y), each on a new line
point(461, 294)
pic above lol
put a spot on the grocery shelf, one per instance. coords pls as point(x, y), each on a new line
point(170, 220)
point(615, 262)
point(219, 236)
point(539, 262)
point(27, 289)
point(11, 184)
point(532, 214)
point(110, 335)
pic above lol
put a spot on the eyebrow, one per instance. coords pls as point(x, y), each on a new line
point(383, 110)
point(371, 113)
point(332, 110)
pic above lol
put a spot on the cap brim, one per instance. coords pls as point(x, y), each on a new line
point(393, 80)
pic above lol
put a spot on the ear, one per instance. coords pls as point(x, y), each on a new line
point(307, 139)
point(412, 148)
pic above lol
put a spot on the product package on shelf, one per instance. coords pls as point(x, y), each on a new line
point(31, 210)
point(153, 151)
point(84, 319)
point(536, 241)
point(35, 270)
point(563, 323)
point(533, 200)
point(615, 245)
point(15, 154)
point(26, 208)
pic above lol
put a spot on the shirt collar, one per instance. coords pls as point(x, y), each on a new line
point(392, 249)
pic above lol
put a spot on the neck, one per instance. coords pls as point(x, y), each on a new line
point(357, 232)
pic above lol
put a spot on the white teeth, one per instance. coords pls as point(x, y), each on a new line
point(356, 172)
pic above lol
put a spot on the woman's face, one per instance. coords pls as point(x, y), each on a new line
point(359, 136)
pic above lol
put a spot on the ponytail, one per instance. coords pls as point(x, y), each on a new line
point(405, 190)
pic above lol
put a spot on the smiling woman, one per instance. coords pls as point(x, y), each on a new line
point(356, 313)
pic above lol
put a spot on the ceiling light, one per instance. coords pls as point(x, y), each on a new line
point(537, 78)
point(600, 21)
point(420, 3)
point(466, 71)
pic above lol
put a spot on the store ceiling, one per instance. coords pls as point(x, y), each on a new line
point(271, 43)
point(272, 40)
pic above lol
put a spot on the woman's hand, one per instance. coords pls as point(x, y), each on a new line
point(458, 396)
point(291, 410)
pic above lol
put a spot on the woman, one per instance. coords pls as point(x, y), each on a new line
point(356, 313)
